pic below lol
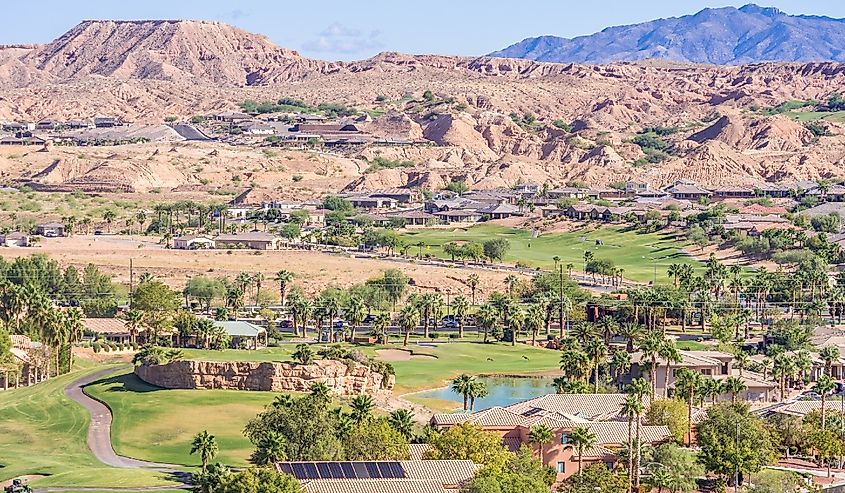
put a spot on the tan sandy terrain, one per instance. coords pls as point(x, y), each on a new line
point(314, 270)
point(475, 118)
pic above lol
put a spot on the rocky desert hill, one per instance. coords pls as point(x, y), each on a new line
point(491, 121)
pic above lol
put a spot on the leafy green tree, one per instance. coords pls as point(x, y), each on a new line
point(520, 473)
point(467, 441)
point(206, 446)
point(596, 478)
point(496, 249)
point(260, 480)
point(732, 439)
point(773, 481)
point(681, 466)
point(375, 439)
point(362, 408)
point(335, 203)
point(671, 413)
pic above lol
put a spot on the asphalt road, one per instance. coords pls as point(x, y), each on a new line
point(99, 433)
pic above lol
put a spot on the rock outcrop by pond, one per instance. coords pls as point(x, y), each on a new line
point(342, 377)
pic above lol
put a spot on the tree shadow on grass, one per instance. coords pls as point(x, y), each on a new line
point(127, 382)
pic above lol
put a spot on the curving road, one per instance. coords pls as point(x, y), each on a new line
point(99, 432)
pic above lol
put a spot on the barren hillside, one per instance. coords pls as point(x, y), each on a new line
point(493, 121)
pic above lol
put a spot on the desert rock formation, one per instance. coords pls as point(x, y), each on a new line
point(340, 377)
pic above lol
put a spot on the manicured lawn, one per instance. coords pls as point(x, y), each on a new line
point(641, 255)
point(44, 432)
point(156, 424)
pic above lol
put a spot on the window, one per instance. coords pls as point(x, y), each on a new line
point(707, 371)
point(564, 438)
point(561, 467)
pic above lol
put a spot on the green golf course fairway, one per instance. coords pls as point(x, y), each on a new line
point(158, 425)
point(44, 432)
point(639, 254)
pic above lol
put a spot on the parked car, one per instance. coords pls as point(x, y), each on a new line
point(286, 324)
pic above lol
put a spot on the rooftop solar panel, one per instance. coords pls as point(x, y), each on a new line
point(335, 470)
point(311, 470)
point(360, 469)
point(299, 471)
point(348, 472)
point(286, 468)
point(372, 470)
point(324, 470)
point(397, 470)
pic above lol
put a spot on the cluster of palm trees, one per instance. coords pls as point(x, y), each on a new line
point(26, 309)
point(470, 388)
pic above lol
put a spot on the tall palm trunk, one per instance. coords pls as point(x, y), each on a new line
point(630, 453)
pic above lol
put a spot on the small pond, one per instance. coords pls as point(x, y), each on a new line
point(504, 391)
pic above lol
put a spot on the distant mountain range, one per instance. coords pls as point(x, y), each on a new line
point(722, 36)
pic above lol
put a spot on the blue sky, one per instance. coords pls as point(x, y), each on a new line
point(356, 29)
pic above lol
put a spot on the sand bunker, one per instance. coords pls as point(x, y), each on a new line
point(400, 355)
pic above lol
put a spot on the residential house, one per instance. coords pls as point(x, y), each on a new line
point(193, 242)
point(562, 413)
point(255, 240)
point(581, 212)
point(404, 476)
point(708, 363)
point(244, 334)
point(568, 193)
point(834, 193)
point(110, 329)
point(414, 217)
point(500, 211)
point(371, 201)
point(256, 128)
point(527, 190)
point(635, 187)
point(774, 191)
point(229, 117)
point(728, 192)
point(459, 216)
point(106, 122)
point(683, 190)
point(50, 230)
point(15, 239)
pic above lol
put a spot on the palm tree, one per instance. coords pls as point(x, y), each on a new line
point(362, 408)
point(409, 319)
point(660, 479)
point(402, 421)
point(823, 386)
point(597, 351)
point(784, 367)
point(581, 439)
point(472, 282)
point(741, 361)
point(258, 279)
point(541, 435)
point(283, 277)
point(303, 354)
point(535, 317)
point(511, 281)
point(109, 217)
point(829, 354)
point(380, 324)
point(650, 348)
point(711, 388)
point(461, 306)
point(575, 363)
point(688, 386)
point(669, 351)
point(631, 332)
point(734, 386)
point(73, 329)
point(205, 445)
point(516, 322)
point(488, 318)
point(632, 407)
point(640, 390)
point(134, 321)
point(321, 391)
point(270, 449)
point(477, 390)
point(355, 311)
point(620, 362)
point(462, 385)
